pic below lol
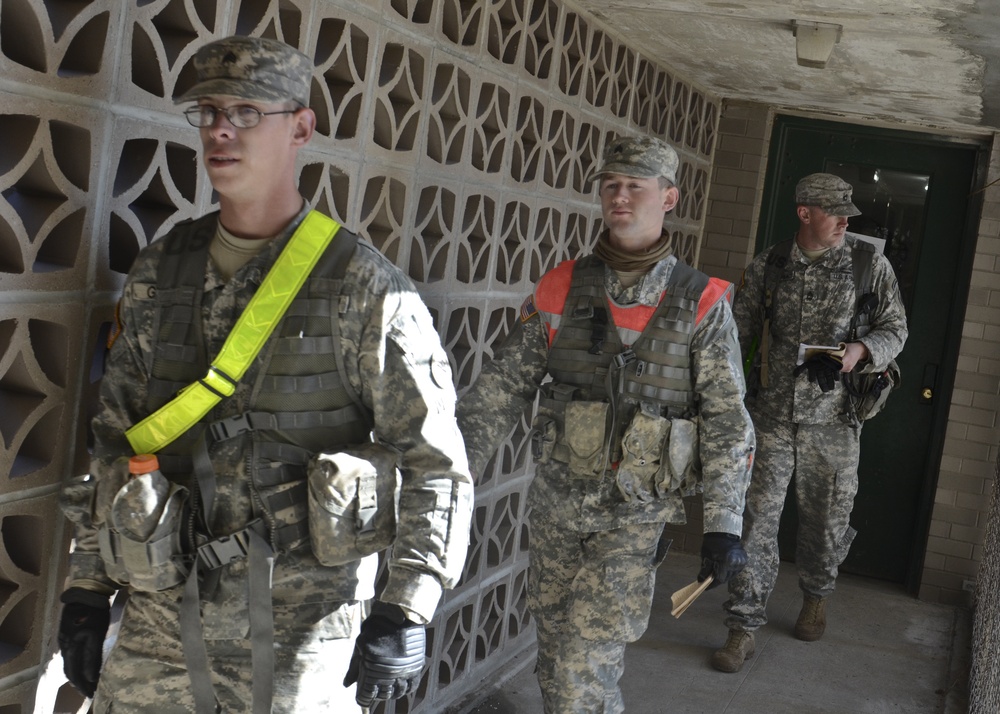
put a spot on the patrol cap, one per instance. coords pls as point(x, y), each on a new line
point(254, 68)
point(829, 192)
point(641, 157)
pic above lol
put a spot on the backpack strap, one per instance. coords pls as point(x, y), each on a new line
point(863, 258)
point(777, 259)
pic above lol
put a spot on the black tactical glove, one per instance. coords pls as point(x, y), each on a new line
point(722, 556)
point(82, 628)
point(824, 370)
point(388, 655)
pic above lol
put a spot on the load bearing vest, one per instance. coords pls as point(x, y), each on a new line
point(663, 348)
point(589, 363)
point(255, 325)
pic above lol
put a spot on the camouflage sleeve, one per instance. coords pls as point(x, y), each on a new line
point(888, 330)
point(121, 403)
point(725, 431)
point(404, 376)
point(748, 307)
point(505, 388)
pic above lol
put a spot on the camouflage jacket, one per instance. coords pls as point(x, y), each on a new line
point(393, 359)
point(813, 303)
point(507, 386)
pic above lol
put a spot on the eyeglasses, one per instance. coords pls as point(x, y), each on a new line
point(242, 116)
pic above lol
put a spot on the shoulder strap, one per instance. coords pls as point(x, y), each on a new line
point(585, 298)
point(186, 239)
point(688, 278)
point(334, 264)
point(254, 326)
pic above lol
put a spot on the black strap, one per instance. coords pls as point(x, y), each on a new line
point(232, 426)
point(598, 328)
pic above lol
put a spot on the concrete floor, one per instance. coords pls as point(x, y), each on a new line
point(883, 652)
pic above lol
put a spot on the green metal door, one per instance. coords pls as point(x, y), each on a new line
point(917, 196)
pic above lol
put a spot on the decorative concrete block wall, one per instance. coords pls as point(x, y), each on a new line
point(457, 135)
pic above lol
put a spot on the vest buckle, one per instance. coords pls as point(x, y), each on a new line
point(624, 358)
point(230, 426)
point(227, 549)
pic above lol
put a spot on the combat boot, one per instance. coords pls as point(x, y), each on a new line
point(737, 650)
point(812, 619)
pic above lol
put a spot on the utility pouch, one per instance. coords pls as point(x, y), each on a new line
point(353, 503)
point(142, 544)
point(642, 451)
point(680, 470)
point(869, 391)
point(585, 433)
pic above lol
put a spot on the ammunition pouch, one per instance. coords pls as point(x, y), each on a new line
point(642, 456)
point(143, 542)
point(571, 432)
point(353, 503)
point(658, 454)
point(585, 435)
point(547, 442)
point(683, 458)
point(659, 457)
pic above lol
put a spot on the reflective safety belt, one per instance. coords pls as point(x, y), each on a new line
point(246, 339)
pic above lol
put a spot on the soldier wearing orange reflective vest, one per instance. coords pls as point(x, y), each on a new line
point(634, 358)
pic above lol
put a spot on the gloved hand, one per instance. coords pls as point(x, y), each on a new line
point(388, 655)
point(82, 628)
point(722, 556)
point(824, 370)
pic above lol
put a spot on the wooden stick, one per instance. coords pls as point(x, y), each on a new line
point(683, 598)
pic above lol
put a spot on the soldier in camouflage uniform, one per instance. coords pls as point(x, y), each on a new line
point(802, 415)
point(354, 356)
point(646, 380)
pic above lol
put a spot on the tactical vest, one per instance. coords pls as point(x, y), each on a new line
point(588, 362)
point(302, 403)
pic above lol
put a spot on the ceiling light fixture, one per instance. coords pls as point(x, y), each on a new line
point(814, 42)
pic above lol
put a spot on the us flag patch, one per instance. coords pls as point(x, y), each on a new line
point(528, 309)
point(116, 326)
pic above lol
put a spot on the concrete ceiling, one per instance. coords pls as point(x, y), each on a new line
point(933, 63)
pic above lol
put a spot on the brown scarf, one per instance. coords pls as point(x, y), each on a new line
point(623, 261)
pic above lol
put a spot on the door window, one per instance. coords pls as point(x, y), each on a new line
point(893, 207)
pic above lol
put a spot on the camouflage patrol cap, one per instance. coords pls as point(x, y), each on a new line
point(642, 157)
point(254, 68)
point(829, 192)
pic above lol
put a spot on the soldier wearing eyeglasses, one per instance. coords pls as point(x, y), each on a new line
point(353, 369)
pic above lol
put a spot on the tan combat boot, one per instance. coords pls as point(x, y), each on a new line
point(812, 619)
point(737, 650)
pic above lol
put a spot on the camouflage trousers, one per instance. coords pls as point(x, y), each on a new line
point(145, 671)
point(589, 594)
point(823, 460)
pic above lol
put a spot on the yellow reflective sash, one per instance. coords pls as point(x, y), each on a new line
point(255, 325)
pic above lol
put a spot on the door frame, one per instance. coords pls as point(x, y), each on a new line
point(775, 201)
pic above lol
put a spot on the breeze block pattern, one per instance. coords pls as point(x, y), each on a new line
point(456, 135)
